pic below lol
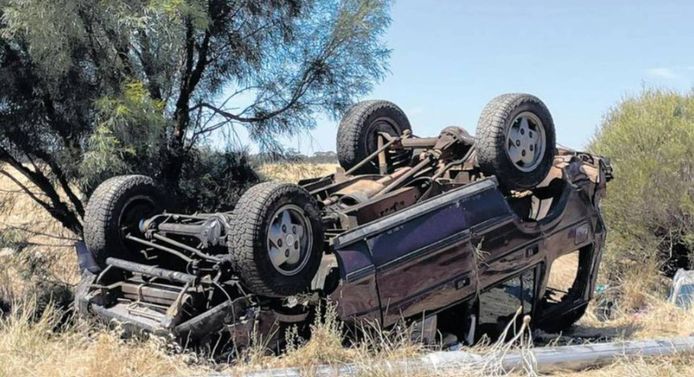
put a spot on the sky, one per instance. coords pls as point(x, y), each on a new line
point(581, 57)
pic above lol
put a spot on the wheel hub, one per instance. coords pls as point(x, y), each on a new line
point(525, 141)
point(289, 240)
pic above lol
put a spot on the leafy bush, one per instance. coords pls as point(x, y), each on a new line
point(214, 181)
point(649, 208)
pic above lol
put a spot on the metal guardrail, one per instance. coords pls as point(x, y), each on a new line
point(541, 359)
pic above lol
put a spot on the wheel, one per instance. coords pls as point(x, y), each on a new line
point(357, 135)
point(515, 141)
point(277, 239)
point(114, 211)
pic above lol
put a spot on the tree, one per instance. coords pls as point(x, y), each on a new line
point(650, 204)
point(92, 88)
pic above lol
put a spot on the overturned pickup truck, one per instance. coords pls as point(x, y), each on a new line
point(454, 233)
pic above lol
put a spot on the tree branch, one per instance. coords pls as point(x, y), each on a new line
point(36, 233)
point(57, 208)
point(181, 113)
point(201, 64)
point(62, 179)
point(146, 59)
point(294, 99)
point(26, 190)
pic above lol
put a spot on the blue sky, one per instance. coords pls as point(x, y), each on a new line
point(579, 56)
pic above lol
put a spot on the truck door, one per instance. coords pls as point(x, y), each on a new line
point(423, 257)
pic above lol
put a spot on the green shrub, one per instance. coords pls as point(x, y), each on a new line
point(649, 207)
point(214, 180)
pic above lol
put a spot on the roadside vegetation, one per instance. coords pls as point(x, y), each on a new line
point(163, 87)
point(650, 204)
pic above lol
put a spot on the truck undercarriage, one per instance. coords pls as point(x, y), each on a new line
point(396, 232)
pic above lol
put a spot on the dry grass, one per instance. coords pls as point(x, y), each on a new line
point(634, 366)
point(49, 244)
point(641, 311)
point(33, 347)
point(659, 319)
point(295, 172)
point(326, 347)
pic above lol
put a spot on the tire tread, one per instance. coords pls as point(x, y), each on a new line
point(101, 210)
point(352, 125)
point(491, 138)
point(247, 233)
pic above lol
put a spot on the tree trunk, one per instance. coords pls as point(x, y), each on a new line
point(191, 73)
point(174, 155)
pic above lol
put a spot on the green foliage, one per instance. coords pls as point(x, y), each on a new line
point(95, 88)
point(650, 204)
point(128, 138)
point(51, 27)
point(214, 181)
point(180, 9)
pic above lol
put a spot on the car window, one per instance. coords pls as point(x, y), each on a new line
point(528, 290)
point(499, 303)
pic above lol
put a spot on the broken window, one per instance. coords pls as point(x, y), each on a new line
point(499, 304)
point(562, 275)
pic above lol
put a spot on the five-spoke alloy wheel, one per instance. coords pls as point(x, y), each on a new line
point(526, 141)
point(515, 141)
point(276, 243)
point(289, 240)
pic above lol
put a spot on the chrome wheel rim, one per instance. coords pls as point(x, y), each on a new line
point(526, 142)
point(289, 240)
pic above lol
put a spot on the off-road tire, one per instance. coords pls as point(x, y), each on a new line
point(356, 138)
point(491, 135)
point(248, 240)
point(102, 233)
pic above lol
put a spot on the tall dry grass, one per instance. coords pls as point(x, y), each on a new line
point(41, 347)
point(34, 247)
point(640, 310)
point(44, 347)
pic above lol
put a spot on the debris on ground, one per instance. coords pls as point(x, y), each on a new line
point(683, 288)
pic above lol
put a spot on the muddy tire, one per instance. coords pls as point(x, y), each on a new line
point(114, 210)
point(516, 141)
point(277, 239)
point(357, 135)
